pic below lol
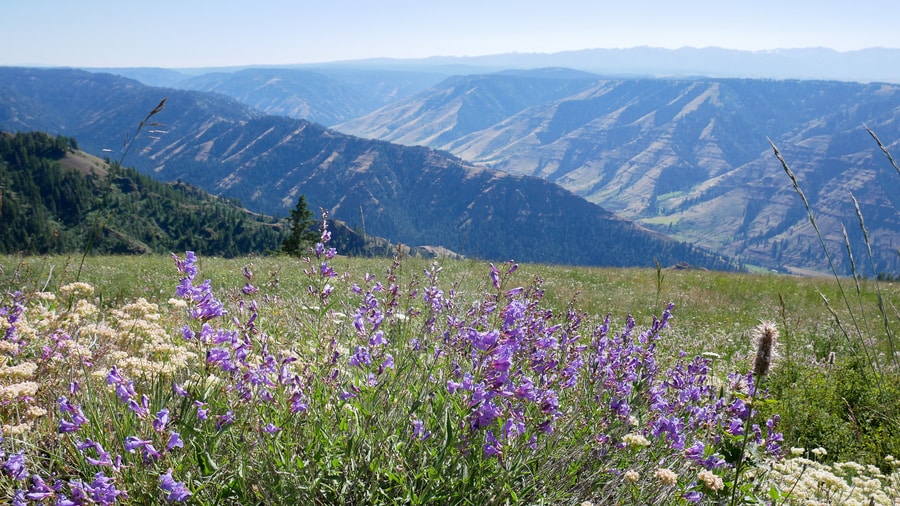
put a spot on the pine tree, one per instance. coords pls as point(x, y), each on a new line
point(303, 233)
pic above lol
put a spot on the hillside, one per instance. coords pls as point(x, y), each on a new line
point(415, 196)
point(326, 96)
point(689, 157)
point(54, 199)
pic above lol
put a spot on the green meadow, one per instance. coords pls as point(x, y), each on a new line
point(334, 379)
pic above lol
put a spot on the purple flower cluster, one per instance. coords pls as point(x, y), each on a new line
point(101, 490)
point(321, 274)
point(205, 305)
point(510, 377)
point(517, 376)
point(103, 457)
point(12, 314)
point(254, 376)
point(679, 407)
point(126, 393)
point(14, 465)
point(370, 355)
point(516, 365)
point(78, 419)
point(178, 492)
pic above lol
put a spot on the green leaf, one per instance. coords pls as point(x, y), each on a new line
point(206, 463)
point(774, 493)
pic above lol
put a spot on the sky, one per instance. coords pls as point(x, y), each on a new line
point(204, 33)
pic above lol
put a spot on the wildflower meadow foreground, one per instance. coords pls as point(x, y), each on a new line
point(391, 388)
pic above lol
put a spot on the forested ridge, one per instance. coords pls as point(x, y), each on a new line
point(54, 199)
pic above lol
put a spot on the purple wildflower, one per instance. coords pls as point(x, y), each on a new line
point(78, 418)
point(101, 491)
point(176, 489)
point(162, 418)
point(220, 357)
point(12, 315)
point(174, 441)
point(378, 339)
point(695, 452)
point(104, 460)
point(693, 496)
point(224, 420)
point(419, 431)
point(206, 306)
point(186, 266)
point(484, 341)
point(178, 390)
point(15, 466)
point(202, 412)
point(299, 402)
point(360, 356)
point(388, 363)
point(327, 271)
point(670, 428)
point(492, 447)
point(142, 410)
point(39, 489)
point(495, 277)
point(149, 453)
point(113, 377)
point(125, 391)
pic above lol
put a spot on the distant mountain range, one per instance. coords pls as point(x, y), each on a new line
point(689, 157)
point(413, 195)
point(331, 93)
point(865, 65)
point(685, 156)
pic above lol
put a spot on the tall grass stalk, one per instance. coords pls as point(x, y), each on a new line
point(659, 282)
point(884, 149)
point(888, 331)
point(127, 145)
point(882, 309)
point(858, 341)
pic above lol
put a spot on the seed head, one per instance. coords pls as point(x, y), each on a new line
point(766, 335)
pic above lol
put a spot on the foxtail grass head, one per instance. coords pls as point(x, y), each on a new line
point(766, 336)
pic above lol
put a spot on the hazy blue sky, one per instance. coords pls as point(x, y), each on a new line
point(195, 33)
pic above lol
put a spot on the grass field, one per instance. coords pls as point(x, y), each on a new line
point(714, 311)
point(348, 380)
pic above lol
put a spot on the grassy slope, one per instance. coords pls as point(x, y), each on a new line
point(821, 405)
point(714, 311)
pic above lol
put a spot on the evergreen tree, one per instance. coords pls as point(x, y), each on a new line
point(303, 233)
